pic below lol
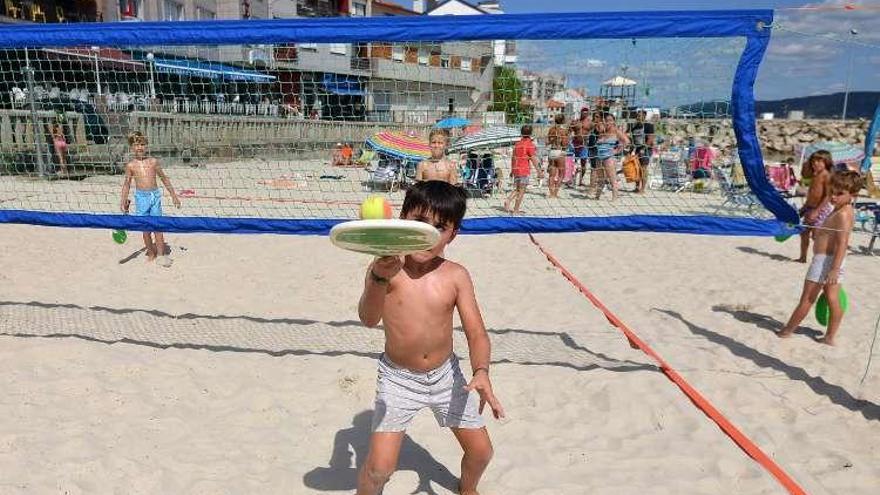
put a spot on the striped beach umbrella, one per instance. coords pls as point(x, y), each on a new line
point(491, 137)
point(472, 129)
point(406, 146)
point(840, 152)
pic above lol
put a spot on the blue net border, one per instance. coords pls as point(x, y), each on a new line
point(752, 24)
point(685, 224)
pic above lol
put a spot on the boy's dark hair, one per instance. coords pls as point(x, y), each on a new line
point(444, 200)
point(525, 130)
point(847, 180)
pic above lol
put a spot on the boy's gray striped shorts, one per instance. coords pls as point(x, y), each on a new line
point(401, 393)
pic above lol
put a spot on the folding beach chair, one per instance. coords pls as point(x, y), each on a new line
point(674, 170)
point(872, 225)
point(781, 178)
point(735, 196)
point(478, 174)
point(387, 175)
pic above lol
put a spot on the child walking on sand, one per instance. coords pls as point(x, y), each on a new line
point(60, 144)
point(415, 297)
point(147, 196)
point(831, 241)
point(438, 167)
point(816, 207)
point(525, 156)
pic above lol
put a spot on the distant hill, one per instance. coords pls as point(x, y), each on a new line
point(861, 104)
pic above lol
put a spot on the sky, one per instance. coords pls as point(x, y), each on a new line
point(812, 50)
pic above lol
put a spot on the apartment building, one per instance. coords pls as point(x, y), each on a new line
point(537, 87)
point(17, 11)
point(504, 51)
point(402, 82)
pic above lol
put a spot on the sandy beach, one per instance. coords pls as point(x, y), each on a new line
point(243, 368)
point(311, 188)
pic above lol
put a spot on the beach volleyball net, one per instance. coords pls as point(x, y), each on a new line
point(287, 125)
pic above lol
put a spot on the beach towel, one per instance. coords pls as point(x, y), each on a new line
point(631, 169)
point(569, 170)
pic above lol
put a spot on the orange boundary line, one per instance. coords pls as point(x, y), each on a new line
point(708, 409)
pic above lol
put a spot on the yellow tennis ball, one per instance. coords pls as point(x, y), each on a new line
point(375, 208)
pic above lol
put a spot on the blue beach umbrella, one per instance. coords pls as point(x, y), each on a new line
point(452, 123)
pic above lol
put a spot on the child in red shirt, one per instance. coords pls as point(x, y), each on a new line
point(524, 157)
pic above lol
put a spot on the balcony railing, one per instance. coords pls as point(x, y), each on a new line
point(34, 11)
point(286, 54)
point(360, 63)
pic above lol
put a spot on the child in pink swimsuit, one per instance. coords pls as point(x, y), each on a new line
point(60, 143)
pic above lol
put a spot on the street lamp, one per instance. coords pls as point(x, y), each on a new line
point(151, 64)
point(852, 32)
point(95, 51)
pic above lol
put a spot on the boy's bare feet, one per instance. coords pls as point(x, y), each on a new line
point(801, 260)
point(784, 333)
point(151, 256)
point(467, 492)
point(827, 341)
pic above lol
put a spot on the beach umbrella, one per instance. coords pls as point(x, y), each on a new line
point(406, 146)
point(840, 152)
point(491, 137)
point(452, 123)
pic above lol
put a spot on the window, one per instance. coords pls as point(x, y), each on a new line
point(337, 48)
point(205, 14)
point(308, 46)
point(172, 11)
point(397, 53)
point(466, 64)
point(359, 9)
point(423, 56)
point(444, 61)
point(382, 100)
point(131, 9)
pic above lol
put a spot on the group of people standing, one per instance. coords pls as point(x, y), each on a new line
point(596, 142)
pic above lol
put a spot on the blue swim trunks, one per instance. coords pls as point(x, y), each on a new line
point(148, 202)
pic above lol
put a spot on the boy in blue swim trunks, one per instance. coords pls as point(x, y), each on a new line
point(147, 196)
point(415, 297)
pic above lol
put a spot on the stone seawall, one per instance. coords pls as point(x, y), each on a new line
point(779, 138)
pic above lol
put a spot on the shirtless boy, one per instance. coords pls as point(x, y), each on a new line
point(147, 195)
point(438, 167)
point(414, 298)
point(830, 244)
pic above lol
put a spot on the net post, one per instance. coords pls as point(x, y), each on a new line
point(32, 104)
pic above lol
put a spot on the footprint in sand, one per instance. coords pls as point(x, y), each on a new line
point(347, 383)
